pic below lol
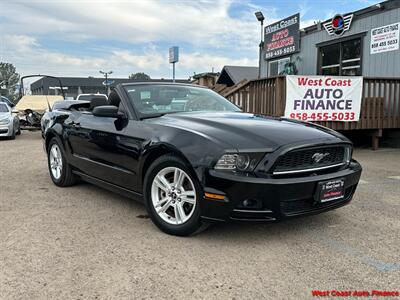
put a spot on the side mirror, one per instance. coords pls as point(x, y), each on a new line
point(107, 111)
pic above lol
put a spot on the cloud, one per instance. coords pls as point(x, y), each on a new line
point(27, 53)
point(199, 61)
point(152, 60)
point(78, 38)
point(199, 22)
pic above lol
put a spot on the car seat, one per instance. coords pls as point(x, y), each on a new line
point(114, 99)
point(97, 101)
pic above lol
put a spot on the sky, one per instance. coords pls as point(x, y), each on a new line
point(81, 37)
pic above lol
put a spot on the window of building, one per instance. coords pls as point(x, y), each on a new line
point(276, 67)
point(342, 58)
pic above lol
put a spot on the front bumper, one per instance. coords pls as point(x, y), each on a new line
point(276, 198)
point(6, 130)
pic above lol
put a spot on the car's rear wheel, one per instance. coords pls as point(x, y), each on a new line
point(172, 196)
point(59, 169)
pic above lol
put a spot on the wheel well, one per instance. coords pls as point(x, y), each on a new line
point(49, 136)
point(152, 156)
point(156, 153)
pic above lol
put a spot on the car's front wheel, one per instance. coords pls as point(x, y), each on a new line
point(172, 196)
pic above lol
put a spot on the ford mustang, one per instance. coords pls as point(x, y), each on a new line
point(193, 157)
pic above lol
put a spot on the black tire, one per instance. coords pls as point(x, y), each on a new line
point(12, 137)
point(67, 178)
point(19, 131)
point(193, 224)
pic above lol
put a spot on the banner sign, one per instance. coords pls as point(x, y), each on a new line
point(282, 38)
point(323, 98)
point(385, 38)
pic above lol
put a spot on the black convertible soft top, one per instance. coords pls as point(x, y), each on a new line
point(71, 104)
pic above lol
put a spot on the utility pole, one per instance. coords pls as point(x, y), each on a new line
point(106, 76)
point(260, 18)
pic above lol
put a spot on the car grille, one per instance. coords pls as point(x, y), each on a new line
point(302, 160)
point(294, 207)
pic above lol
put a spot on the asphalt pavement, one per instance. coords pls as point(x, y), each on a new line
point(83, 242)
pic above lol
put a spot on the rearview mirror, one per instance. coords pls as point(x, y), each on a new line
point(107, 111)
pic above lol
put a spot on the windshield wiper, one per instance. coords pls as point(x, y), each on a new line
point(150, 116)
point(156, 115)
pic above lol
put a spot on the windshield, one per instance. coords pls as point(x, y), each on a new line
point(162, 99)
point(3, 108)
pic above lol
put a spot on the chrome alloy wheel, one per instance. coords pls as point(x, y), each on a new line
point(55, 159)
point(173, 195)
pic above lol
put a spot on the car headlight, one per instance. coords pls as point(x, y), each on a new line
point(4, 121)
point(242, 162)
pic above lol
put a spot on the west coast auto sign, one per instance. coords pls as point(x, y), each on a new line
point(385, 38)
point(323, 98)
point(282, 38)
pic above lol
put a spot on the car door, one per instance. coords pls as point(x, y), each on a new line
point(103, 149)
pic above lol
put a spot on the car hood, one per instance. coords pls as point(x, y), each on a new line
point(249, 131)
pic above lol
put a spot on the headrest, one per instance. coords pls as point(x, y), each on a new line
point(114, 99)
point(97, 101)
point(166, 97)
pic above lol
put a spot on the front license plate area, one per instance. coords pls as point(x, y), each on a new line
point(330, 190)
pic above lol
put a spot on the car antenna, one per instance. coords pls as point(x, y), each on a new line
point(48, 104)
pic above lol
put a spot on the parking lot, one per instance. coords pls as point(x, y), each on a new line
point(84, 242)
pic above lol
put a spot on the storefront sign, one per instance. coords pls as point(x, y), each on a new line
point(173, 54)
point(338, 25)
point(385, 38)
point(282, 38)
point(323, 98)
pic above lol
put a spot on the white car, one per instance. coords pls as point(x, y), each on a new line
point(9, 122)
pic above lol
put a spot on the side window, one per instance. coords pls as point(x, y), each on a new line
point(343, 58)
point(276, 67)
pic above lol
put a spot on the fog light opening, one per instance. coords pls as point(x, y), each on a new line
point(251, 203)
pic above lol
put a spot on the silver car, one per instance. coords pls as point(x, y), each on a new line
point(9, 122)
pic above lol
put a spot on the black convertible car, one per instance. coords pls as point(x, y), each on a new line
point(191, 156)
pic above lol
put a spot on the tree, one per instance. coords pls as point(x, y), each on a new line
point(9, 79)
point(290, 68)
point(139, 76)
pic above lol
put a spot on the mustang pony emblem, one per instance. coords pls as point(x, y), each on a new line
point(317, 157)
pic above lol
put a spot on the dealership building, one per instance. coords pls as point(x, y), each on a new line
point(363, 42)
